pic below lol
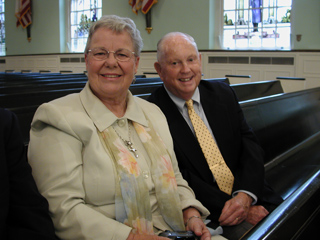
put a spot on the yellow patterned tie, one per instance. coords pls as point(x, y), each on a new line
point(217, 165)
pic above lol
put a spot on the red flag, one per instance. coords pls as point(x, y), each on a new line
point(23, 13)
point(147, 4)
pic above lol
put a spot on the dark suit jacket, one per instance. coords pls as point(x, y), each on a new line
point(235, 139)
point(23, 211)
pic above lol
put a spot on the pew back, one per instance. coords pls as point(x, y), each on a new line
point(283, 121)
point(23, 93)
point(288, 127)
point(251, 90)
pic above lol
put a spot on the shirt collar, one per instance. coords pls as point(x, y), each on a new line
point(102, 117)
point(180, 103)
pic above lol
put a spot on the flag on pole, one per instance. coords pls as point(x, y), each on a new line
point(23, 13)
point(135, 5)
point(146, 5)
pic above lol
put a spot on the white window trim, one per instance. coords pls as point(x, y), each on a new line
point(3, 45)
point(69, 33)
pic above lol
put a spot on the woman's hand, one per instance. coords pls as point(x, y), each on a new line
point(134, 236)
point(195, 224)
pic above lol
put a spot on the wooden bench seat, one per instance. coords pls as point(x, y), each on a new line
point(288, 127)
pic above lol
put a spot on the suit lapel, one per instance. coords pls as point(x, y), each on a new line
point(221, 125)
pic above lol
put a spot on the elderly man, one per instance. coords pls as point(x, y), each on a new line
point(217, 151)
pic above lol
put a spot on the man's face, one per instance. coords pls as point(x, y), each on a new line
point(179, 66)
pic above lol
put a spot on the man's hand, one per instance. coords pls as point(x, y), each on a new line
point(256, 214)
point(235, 210)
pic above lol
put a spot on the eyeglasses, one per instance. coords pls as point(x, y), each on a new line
point(122, 55)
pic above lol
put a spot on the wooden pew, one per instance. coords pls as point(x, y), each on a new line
point(24, 97)
point(144, 88)
point(296, 218)
point(288, 127)
point(251, 90)
point(24, 105)
point(16, 78)
point(31, 98)
point(140, 76)
point(41, 86)
point(292, 84)
point(226, 80)
point(147, 80)
point(158, 79)
point(284, 120)
point(23, 94)
point(236, 79)
point(25, 116)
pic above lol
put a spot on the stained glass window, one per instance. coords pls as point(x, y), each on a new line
point(257, 24)
point(82, 14)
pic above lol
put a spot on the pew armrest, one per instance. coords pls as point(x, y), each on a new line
point(287, 216)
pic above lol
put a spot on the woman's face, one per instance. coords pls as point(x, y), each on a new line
point(110, 79)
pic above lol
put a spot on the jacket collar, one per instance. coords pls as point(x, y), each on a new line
point(102, 117)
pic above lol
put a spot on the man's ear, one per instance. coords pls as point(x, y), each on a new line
point(200, 60)
point(157, 66)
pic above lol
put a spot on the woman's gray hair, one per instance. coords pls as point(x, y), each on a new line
point(117, 24)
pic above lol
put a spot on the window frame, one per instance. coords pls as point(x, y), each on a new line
point(71, 26)
point(3, 30)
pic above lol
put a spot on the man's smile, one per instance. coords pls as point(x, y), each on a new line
point(185, 79)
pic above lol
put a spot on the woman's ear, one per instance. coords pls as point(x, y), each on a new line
point(136, 64)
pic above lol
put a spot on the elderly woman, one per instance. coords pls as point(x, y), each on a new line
point(104, 159)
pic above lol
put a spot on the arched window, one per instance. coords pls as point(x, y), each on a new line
point(257, 24)
point(82, 14)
